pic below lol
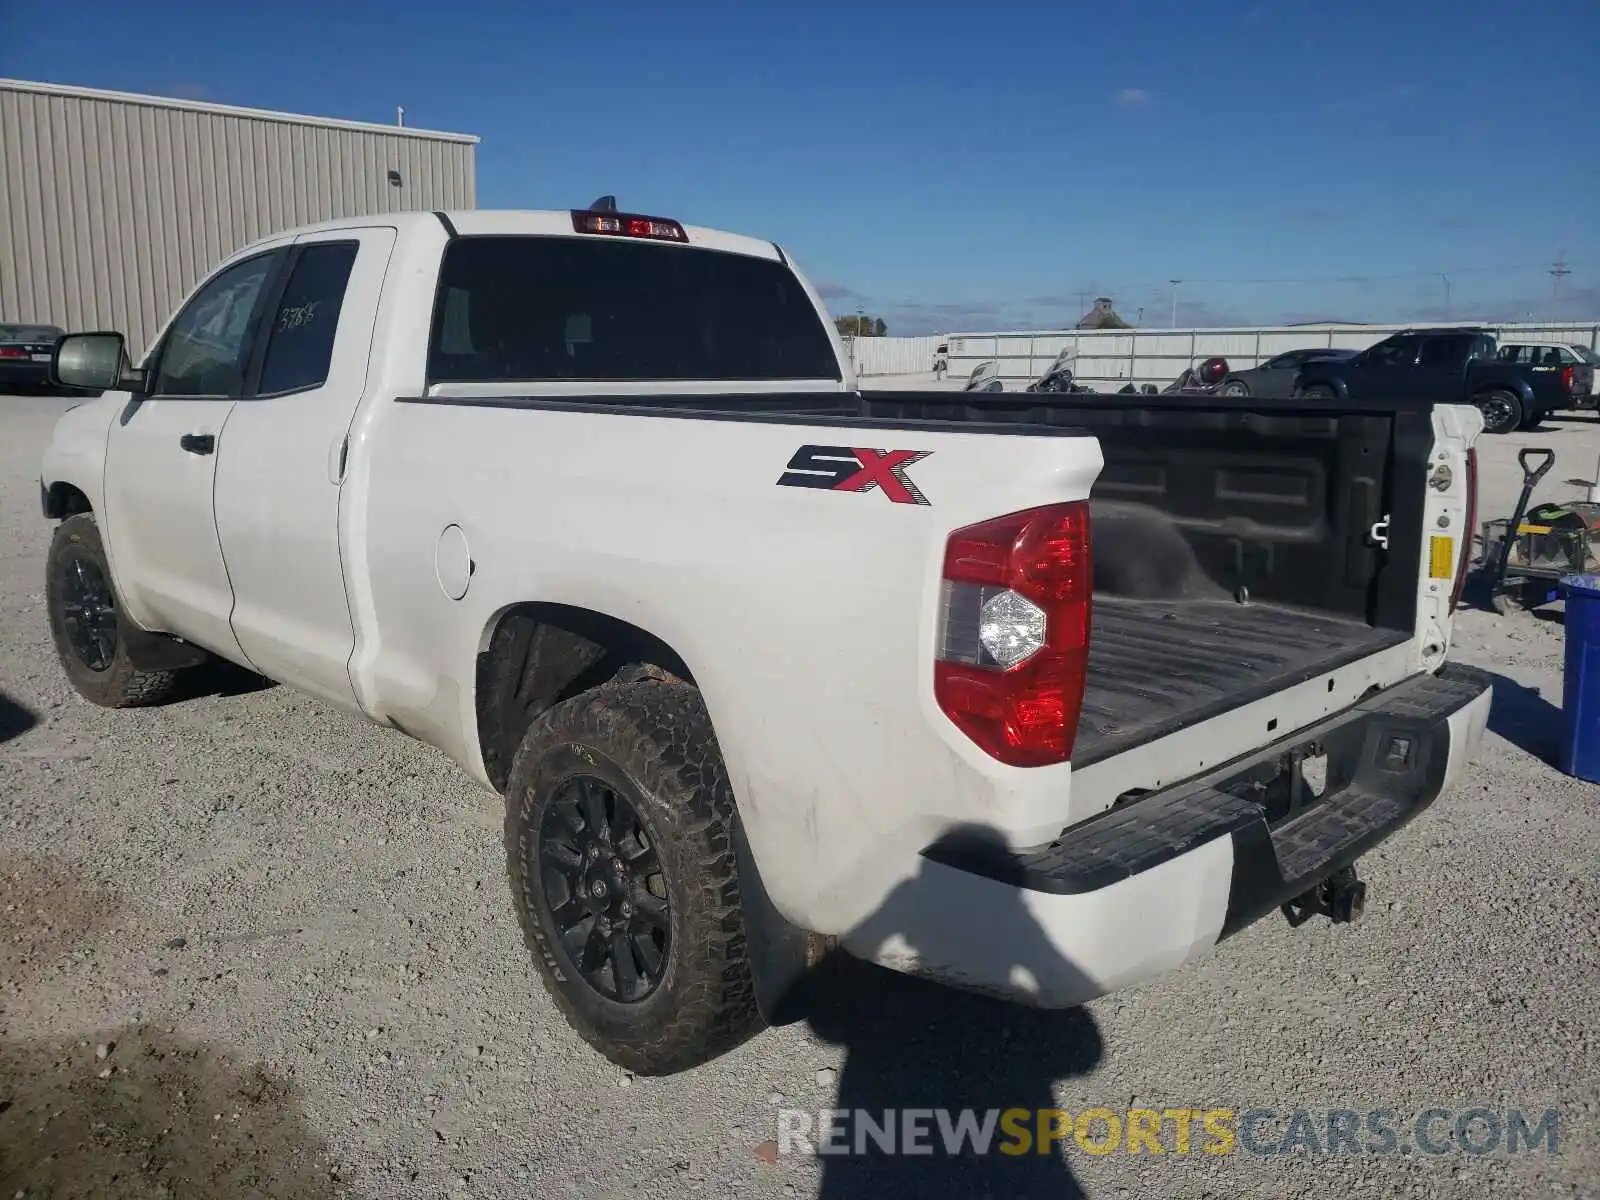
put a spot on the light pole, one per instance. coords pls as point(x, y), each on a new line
point(1446, 279)
point(1175, 283)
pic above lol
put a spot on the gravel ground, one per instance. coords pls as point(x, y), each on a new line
point(249, 946)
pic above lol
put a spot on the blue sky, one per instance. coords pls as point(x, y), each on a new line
point(976, 165)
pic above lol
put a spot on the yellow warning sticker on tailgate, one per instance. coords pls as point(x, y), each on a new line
point(1442, 558)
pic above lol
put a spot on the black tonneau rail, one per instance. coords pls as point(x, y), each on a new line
point(1047, 407)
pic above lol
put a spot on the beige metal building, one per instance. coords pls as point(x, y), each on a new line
point(112, 205)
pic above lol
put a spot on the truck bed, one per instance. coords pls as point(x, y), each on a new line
point(1232, 554)
point(1157, 666)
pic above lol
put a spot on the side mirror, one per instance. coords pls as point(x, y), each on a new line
point(95, 362)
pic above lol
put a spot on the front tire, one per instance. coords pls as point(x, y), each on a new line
point(1502, 410)
point(86, 622)
point(623, 874)
point(1319, 391)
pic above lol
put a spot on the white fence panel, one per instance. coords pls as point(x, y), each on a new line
point(892, 355)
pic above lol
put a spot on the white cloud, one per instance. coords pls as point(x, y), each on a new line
point(1134, 98)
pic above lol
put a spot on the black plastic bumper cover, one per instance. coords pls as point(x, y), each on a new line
point(1385, 763)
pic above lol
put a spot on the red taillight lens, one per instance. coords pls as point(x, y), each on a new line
point(1471, 530)
point(1014, 635)
point(628, 225)
point(11, 352)
point(1567, 376)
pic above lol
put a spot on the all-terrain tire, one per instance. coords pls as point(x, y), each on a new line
point(117, 683)
point(652, 744)
point(1502, 410)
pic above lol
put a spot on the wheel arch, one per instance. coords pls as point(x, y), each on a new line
point(533, 656)
point(1515, 384)
point(62, 498)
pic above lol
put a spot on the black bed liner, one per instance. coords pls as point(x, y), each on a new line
point(1157, 666)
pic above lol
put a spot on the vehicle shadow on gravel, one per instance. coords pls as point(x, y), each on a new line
point(15, 720)
point(218, 677)
point(154, 1114)
point(911, 1044)
point(1525, 718)
point(157, 1116)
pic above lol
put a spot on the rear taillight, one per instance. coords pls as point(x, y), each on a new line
point(1014, 632)
point(1470, 531)
point(1567, 377)
point(12, 352)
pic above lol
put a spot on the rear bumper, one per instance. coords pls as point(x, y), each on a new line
point(23, 373)
point(1155, 882)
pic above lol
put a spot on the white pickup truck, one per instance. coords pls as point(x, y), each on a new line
point(763, 664)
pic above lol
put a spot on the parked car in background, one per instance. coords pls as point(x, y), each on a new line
point(1449, 366)
point(1275, 378)
point(25, 352)
point(1553, 356)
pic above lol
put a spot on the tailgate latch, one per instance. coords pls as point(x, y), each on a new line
point(1378, 535)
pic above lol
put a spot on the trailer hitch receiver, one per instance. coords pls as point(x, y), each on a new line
point(1341, 897)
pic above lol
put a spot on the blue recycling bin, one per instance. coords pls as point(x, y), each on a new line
point(1580, 689)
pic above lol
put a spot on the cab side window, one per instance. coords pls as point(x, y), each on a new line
point(301, 333)
point(206, 349)
point(1396, 352)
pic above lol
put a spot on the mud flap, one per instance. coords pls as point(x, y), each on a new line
point(781, 955)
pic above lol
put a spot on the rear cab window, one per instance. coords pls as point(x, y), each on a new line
point(300, 335)
point(587, 309)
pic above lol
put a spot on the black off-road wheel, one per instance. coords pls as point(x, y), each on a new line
point(86, 623)
point(623, 873)
point(1502, 410)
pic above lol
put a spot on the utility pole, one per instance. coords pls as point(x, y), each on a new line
point(1446, 279)
point(1174, 283)
point(1557, 272)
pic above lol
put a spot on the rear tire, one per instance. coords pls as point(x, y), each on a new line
point(1502, 410)
point(85, 622)
point(1234, 388)
point(622, 869)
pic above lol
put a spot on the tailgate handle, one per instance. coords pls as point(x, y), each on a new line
point(1379, 533)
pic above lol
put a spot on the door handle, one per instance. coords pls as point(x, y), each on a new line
point(198, 443)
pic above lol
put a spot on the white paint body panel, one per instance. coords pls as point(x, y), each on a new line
point(807, 616)
point(158, 513)
point(278, 501)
